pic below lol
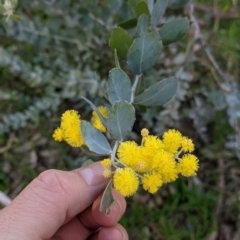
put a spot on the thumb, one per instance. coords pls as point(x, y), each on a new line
point(51, 200)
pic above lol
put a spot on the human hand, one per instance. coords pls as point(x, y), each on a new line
point(60, 205)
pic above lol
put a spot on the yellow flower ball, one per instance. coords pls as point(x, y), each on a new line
point(150, 148)
point(143, 164)
point(144, 132)
point(153, 143)
point(152, 182)
point(166, 166)
point(106, 162)
point(107, 173)
point(96, 121)
point(58, 135)
point(70, 124)
point(187, 145)
point(188, 165)
point(125, 181)
point(129, 153)
point(172, 140)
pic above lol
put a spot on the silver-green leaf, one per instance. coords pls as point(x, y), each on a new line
point(173, 31)
point(95, 140)
point(158, 11)
point(119, 86)
point(144, 52)
point(142, 25)
point(120, 120)
point(158, 94)
point(107, 199)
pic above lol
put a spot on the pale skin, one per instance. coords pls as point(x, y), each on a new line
point(61, 205)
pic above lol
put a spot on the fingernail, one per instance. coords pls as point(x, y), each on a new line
point(93, 174)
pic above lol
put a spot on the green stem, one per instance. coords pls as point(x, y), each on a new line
point(114, 151)
point(117, 64)
point(134, 87)
point(179, 159)
point(177, 155)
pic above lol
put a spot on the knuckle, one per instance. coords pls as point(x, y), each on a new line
point(52, 180)
point(51, 185)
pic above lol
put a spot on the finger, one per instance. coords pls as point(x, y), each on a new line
point(73, 230)
point(109, 233)
point(91, 219)
point(51, 200)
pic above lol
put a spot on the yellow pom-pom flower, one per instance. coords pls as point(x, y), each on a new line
point(143, 163)
point(144, 132)
point(96, 121)
point(153, 143)
point(167, 166)
point(125, 181)
point(187, 145)
point(58, 135)
point(107, 173)
point(172, 140)
point(70, 124)
point(152, 182)
point(129, 153)
point(106, 162)
point(188, 165)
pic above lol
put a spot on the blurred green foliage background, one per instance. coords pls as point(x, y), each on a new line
point(56, 54)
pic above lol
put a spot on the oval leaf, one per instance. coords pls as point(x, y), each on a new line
point(158, 11)
point(144, 52)
point(174, 30)
point(143, 25)
point(119, 86)
point(121, 41)
point(95, 140)
point(159, 93)
point(142, 8)
point(107, 199)
point(120, 120)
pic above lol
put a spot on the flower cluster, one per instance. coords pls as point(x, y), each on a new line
point(70, 130)
point(152, 163)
